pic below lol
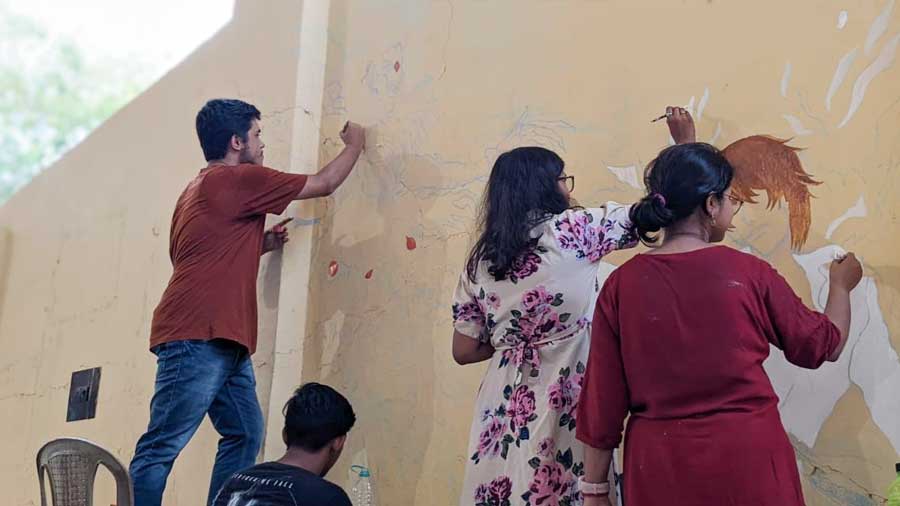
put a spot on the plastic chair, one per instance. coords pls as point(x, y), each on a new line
point(72, 466)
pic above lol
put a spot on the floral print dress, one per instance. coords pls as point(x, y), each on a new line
point(522, 447)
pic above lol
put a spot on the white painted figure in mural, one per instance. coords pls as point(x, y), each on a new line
point(808, 396)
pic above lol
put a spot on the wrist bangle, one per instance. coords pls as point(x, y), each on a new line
point(592, 489)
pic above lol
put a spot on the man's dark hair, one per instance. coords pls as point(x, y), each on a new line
point(316, 415)
point(220, 119)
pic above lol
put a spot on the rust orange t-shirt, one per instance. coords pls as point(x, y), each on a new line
point(215, 244)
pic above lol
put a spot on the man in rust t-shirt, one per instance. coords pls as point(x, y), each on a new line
point(204, 328)
point(216, 241)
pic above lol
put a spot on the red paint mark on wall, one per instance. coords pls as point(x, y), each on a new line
point(369, 274)
point(333, 268)
point(396, 66)
point(410, 243)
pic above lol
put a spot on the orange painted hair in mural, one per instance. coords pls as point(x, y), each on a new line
point(766, 163)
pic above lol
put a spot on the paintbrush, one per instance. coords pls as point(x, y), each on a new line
point(666, 115)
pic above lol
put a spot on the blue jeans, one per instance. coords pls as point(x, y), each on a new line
point(194, 378)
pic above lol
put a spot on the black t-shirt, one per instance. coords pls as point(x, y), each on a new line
point(274, 484)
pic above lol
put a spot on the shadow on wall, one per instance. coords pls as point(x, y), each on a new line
point(364, 337)
point(372, 347)
point(268, 288)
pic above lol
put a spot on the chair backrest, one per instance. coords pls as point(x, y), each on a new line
point(72, 466)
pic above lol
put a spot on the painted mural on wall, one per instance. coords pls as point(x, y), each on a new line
point(769, 164)
point(440, 111)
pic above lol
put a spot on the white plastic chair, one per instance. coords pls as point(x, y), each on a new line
point(71, 465)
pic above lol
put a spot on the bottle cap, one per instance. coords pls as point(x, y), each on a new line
point(362, 471)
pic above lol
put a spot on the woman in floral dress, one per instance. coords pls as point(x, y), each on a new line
point(525, 302)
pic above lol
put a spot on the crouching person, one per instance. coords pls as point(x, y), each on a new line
point(316, 422)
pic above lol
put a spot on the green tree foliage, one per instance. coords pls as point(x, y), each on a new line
point(51, 97)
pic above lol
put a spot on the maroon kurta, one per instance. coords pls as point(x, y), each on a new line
point(678, 342)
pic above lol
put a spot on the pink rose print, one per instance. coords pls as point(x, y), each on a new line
point(520, 409)
point(501, 488)
point(527, 331)
point(493, 301)
point(572, 227)
point(576, 233)
point(490, 441)
point(548, 485)
point(547, 447)
point(496, 493)
point(538, 325)
point(522, 355)
point(481, 494)
point(536, 299)
point(554, 481)
point(468, 312)
point(524, 266)
point(533, 325)
point(563, 394)
point(539, 319)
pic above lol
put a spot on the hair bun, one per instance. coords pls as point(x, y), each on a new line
point(649, 215)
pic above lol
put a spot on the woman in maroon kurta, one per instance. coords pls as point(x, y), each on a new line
point(678, 341)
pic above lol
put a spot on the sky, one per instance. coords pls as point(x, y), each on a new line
point(159, 32)
point(137, 40)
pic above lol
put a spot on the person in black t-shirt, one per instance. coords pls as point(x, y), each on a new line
point(316, 422)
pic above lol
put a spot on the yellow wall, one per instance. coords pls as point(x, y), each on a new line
point(444, 87)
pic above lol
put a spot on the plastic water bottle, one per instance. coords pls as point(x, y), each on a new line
point(894, 490)
point(363, 494)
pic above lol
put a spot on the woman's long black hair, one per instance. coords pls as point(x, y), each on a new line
point(522, 191)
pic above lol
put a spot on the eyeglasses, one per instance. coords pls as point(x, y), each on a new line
point(570, 182)
point(735, 200)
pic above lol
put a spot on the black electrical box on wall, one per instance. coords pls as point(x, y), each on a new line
point(83, 394)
